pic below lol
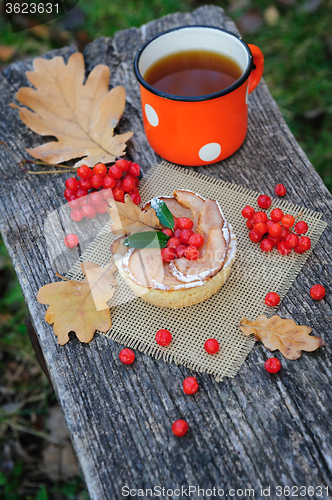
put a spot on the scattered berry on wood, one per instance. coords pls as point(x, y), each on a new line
point(272, 365)
point(190, 385)
point(71, 240)
point(280, 190)
point(180, 428)
point(317, 292)
point(127, 356)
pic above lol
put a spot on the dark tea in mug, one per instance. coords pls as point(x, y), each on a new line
point(193, 73)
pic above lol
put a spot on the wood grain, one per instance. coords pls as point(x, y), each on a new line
point(251, 431)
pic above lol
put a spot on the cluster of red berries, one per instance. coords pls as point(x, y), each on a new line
point(276, 229)
point(88, 192)
point(183, 241)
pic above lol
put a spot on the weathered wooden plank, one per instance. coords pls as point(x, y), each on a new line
point(251, 431)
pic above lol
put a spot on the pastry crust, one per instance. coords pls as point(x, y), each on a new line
point(185, 292)
point(186, 296)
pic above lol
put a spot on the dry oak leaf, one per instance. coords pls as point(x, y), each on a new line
point(129, 218)
point(80, 306)
point(282, 334)
point(82, 117)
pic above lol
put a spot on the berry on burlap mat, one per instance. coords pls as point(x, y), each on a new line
point(254, 274)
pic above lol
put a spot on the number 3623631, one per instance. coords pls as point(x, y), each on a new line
point(31, 8)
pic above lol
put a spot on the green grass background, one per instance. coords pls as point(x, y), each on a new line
point(298, 70)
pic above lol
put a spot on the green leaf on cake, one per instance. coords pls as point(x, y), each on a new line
point(147, 239)
point(163, 213)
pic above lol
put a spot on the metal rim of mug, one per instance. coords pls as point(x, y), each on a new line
point(205, 97)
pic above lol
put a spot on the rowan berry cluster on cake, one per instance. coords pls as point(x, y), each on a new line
point(275, 231)
point(88, 192)
point(183, 241)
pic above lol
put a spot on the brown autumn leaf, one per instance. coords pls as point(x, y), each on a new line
point(80, 306)
point(129, 218)
point(82, 117)
point(282, 334)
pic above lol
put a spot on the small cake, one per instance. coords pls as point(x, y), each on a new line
point(181, 282)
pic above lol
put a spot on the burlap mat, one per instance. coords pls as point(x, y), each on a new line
point(254, 274)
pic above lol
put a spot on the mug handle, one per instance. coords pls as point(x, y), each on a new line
point(257, 72)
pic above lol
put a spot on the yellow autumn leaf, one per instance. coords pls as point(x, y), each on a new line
point(129, 218)
point(80, 306)
point(282, 334)
point(82, 117)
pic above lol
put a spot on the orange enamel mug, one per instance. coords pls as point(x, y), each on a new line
point(203, 129)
